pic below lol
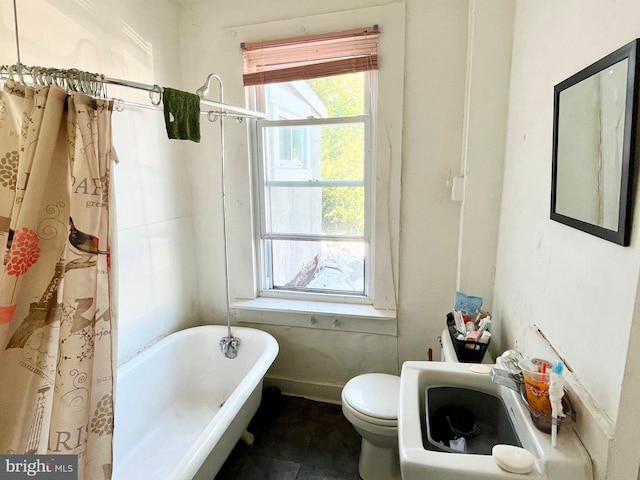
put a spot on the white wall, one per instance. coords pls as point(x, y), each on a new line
point(133, 40)
point(488, 73)
point(579, 290)
point(435, 73)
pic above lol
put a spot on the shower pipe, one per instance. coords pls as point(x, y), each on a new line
point(229, 344)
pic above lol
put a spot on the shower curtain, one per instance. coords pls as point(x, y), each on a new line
point(56, 335)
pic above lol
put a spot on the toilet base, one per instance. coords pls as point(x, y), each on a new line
point(378, 463)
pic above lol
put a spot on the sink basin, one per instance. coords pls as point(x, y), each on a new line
point(480, 417)
point(420, 458)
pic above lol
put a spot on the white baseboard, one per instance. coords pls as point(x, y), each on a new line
point(324, 392)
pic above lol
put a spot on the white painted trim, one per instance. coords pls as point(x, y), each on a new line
point(318, 315)
point(324, 392)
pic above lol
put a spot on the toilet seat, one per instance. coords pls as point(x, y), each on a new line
point(393, 423)
point(373, 398)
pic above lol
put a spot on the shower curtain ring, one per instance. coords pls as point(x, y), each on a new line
point(87, 87)
point(58, 78)
point(71, 81)
point(158, 90)
point(35, 75)
point(49, 77)
point(101, 85)
point(88, 84)
point(20, 75)
point(96, 85)
point(11, 71)
point(27, 71)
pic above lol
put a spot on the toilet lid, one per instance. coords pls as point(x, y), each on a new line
point(374, 394)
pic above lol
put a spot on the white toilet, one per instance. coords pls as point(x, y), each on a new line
point(370, 403)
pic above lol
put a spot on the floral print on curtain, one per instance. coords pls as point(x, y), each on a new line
point(56, 333)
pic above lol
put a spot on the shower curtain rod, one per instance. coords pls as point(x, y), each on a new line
point(93, 84)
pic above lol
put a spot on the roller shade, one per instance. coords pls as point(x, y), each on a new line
point(311, 56)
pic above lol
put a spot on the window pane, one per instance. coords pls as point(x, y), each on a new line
point(337, 96)
point(316, 211)
point(318, 265)
point(314, 152)
point(315, 183)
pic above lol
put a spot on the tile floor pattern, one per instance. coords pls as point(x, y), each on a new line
point(295, 439)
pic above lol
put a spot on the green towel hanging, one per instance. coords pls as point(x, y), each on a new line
point(182, 115)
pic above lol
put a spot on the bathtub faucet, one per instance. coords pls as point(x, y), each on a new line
point(229, 346)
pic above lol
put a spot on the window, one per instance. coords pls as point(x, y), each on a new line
point(292, 148)
point(313, 187)
point(314, 162)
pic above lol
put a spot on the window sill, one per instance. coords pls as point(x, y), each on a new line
point(318, 315)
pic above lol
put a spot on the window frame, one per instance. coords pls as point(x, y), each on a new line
point(265, 276)
point(248, 306)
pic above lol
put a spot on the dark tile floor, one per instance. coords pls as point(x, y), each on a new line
point(295, 439)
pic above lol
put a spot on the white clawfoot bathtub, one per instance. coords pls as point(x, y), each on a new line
point(181, 406)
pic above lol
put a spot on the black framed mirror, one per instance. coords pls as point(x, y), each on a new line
point(594, 143)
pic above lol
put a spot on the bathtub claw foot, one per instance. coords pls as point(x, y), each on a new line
point(247, 438)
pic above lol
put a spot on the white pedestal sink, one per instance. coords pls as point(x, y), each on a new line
point(568, 461)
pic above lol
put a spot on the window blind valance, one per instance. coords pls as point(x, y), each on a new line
point(311, 56)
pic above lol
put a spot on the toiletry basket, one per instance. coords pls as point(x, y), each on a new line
point(466, 351)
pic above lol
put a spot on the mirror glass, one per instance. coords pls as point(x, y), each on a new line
point(591, 123)
point(594, 126)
